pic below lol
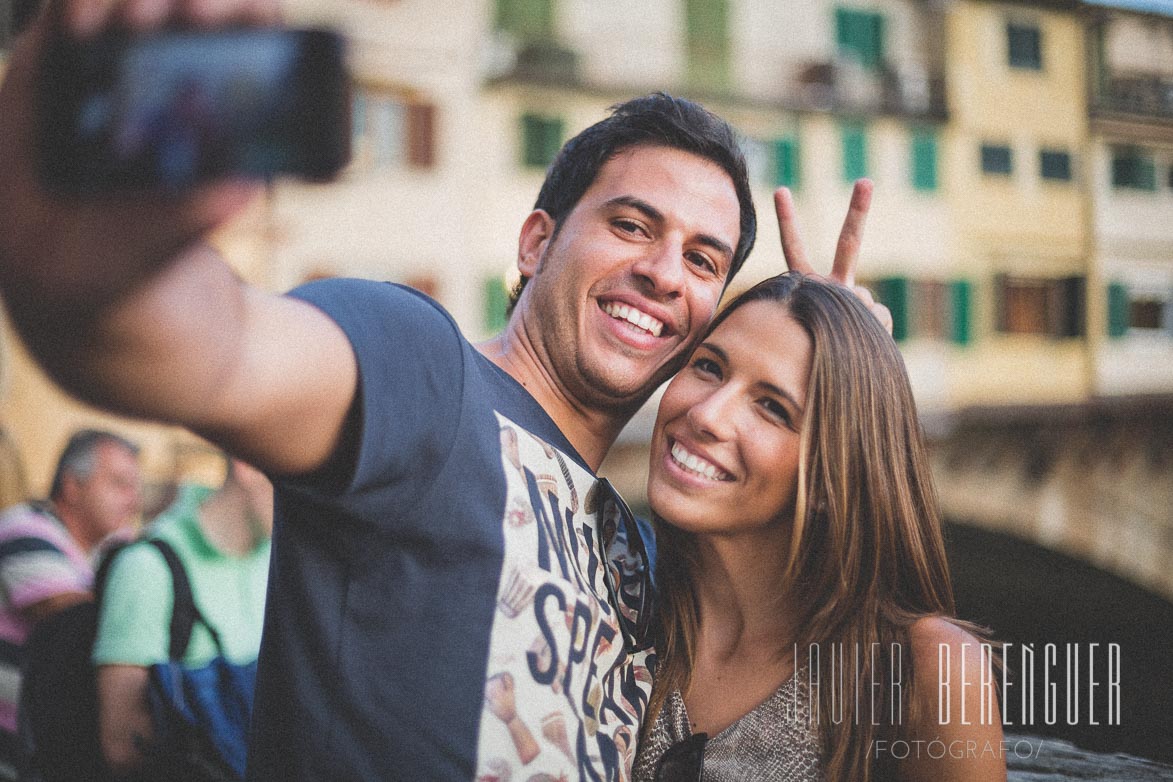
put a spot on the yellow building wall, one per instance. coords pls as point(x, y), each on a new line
point(1027, 110)
point(1018, 224)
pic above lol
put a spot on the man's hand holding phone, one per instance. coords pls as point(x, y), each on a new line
point(69, 233)
point(172, 108)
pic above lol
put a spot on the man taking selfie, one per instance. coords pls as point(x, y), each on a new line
point(445, 598)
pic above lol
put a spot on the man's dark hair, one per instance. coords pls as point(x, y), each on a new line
point(80, 455)
point(659, 120)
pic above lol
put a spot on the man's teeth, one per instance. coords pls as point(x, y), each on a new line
point(694, 463)
point(634, 317)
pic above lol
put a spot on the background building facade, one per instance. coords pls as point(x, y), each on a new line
point(1021, 233)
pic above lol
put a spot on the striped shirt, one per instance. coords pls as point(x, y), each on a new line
point(38, 560)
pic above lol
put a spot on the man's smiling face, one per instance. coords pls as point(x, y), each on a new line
point(627, 286)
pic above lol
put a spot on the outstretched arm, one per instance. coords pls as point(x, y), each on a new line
point(846, 250)
point(123, 305)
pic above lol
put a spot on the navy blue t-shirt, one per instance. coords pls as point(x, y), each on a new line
point(449, 612)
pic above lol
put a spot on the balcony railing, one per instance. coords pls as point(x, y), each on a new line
point(847, 87)
point(1146, 96)
point(544, 62)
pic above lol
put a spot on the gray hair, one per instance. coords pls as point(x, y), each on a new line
point(81, 455)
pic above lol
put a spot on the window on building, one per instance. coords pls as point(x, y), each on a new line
point(930, 309)
point(1045, 306)
point(1024, 45)
point(1138, 310)
point(541, 138)
point(707, 42)
point(924, 160)
point(1133, 168)
point(997, 159)
point(786, 165)
point(526, 20)
point(855, 151)
point(860, 36)
point(926, 309)
point(392, 131)
point(1146, 313)
point(1024, 305)
point(1055, 165)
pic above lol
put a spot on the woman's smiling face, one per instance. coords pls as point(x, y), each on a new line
point(726, 446)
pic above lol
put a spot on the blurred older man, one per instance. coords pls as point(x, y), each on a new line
point(47, 548)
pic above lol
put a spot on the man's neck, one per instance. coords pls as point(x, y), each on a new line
point(592, 431)
point(74, 526)
point(227, 521)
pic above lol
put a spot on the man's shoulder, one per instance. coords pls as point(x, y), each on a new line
point(372, 296)
point(383, 317)
point(30, 520)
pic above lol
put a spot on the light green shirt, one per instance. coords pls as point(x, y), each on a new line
point(135, 618)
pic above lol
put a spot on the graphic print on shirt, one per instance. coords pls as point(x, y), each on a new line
point(563, 694)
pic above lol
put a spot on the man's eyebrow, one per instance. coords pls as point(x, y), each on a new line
point(655, 215)
point(770, 388)
point(651, 212)
point(716, 244)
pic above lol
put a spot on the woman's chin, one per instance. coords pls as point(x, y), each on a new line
point(669, 507)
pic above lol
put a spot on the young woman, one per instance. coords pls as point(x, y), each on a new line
point(807, 606)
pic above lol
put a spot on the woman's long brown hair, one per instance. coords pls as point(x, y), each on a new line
point(866, 555)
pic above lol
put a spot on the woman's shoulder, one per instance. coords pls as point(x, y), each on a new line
point(931, 636)
point(947, 654)
point(956, 689)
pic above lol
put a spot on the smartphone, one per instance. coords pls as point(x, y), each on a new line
point(175, 108)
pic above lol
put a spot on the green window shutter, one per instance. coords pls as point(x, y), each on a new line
point(529, 20)
point(786, 171)
point(855, 151)
point(893, 294)
point(860, 35)
point(924, 160)
point(1072, 312)
point(1118, 309)
point(961, 298)
point(707, 42)
point(541, 140)
point(496, 303)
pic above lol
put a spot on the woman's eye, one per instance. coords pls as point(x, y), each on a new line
point(707, 366)
point(776, 409)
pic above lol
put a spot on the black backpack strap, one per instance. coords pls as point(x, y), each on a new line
point(184, 613)
point(105, 563)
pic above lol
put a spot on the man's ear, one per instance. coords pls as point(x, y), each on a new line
point(70, 488)
point(536, 233)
